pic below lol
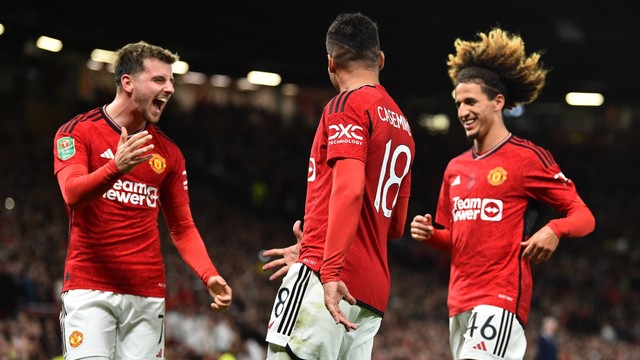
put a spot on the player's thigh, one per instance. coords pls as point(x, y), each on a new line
point(141, 334)
point(493, 333)
point(88, 324)
point(457, 328)
point(358, 344)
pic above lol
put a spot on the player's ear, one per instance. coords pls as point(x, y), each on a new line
point(126, 83)
point(381, 65)
point(499, 102)
point(331, 64)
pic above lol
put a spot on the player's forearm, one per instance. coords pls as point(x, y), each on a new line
point(345, 205)
point(440, 239)
point(189, 243)
point(79, 187)
point(342, 227)
point(578, 222)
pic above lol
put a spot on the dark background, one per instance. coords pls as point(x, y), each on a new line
point(592, 45)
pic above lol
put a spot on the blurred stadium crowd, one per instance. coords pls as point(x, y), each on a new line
point(247, 171)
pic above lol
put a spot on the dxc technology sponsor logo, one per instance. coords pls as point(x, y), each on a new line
point(341, 134)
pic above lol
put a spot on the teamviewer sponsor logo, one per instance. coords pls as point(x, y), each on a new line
point(134, 193)
point(472, 208)
point(491, 210)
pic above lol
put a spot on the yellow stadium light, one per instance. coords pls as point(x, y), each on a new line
point(264, 78)
point(435, 123)
point(180, 67)
point(584, 99)
point(49, 44)
point(103, 56)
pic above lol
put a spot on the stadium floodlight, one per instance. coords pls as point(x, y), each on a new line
point(264, 78)
point(435, 123)
point(103, 56)
point(49, 44)
point(584, 99)
point(180, 67)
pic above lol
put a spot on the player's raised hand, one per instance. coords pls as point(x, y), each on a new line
point(220, 292)
point(287, 256)
point(130, 150)
point(334, 292)
point(422, 227)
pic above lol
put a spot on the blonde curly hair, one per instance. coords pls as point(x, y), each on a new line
point(498, 62)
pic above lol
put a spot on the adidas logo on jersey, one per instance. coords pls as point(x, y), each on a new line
point(107, 154)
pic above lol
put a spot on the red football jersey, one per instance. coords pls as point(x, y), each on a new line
point(114, 242)
point(484, 200)
point(367, 125)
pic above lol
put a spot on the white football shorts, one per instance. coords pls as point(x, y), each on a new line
point(113, 326)
point(487, 333)
point(301, 325)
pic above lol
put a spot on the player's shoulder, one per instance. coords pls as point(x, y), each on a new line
point(525, 149)
point(80, 121)
point(356, 99)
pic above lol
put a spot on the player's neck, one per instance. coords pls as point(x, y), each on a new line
point(491, 140)
point(359, 79)
point(121, 115)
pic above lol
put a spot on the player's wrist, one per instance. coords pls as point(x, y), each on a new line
point(325, 278)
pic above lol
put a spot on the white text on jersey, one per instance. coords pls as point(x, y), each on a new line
point(345, 134)
point(130, 192)
point(394, 119)
point(469, 209)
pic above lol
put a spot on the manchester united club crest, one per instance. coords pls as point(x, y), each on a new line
point(497, 176)
point(75, 339)
point(157, 163)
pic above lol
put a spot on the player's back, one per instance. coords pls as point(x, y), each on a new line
point(388, 159)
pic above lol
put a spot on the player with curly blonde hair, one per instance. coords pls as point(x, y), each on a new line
point(499, 62)
point(484, 208)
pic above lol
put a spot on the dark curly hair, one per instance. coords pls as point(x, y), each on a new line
point(499, 64)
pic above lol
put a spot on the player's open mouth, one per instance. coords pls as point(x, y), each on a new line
point(159, 103)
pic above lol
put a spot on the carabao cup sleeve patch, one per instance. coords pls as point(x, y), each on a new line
point(66, 148)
